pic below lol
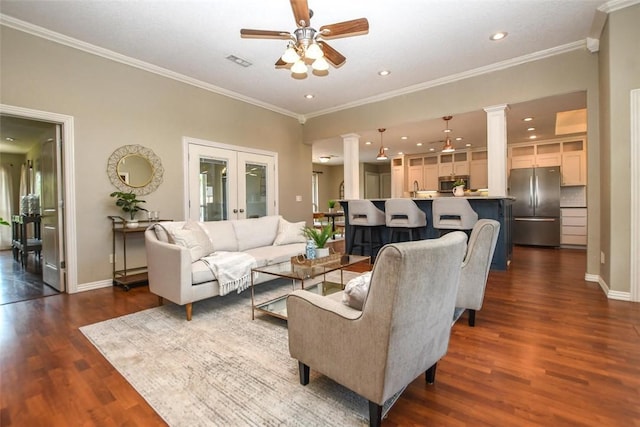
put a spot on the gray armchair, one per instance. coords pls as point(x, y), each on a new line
point(475, 267)
point(401, 332)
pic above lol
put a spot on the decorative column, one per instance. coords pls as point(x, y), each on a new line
point(497, 149)
point(351, 143)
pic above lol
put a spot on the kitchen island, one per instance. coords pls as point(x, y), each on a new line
point(498, 208)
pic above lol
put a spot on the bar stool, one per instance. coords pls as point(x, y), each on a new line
point(453, 213)
point(404, 216)
point(364, 220)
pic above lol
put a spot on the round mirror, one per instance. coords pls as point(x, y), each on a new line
point(136, 169)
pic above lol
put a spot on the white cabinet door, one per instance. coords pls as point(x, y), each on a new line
point(545, 160)
point(431, 177)
point(523, 162)
point(574, 168)
point(414, 174)
point(478, 174)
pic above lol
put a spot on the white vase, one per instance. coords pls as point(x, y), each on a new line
point(322, 252)
point(133, 224)
point(458, 190)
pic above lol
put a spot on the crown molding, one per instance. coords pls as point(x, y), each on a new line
point(613, 5)
point(35, 30)
point(558, 50)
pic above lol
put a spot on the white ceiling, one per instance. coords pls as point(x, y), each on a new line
point(419, 41)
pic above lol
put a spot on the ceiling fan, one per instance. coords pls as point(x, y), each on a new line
point(306, 44)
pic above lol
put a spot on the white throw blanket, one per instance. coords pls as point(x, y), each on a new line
point(232, 269)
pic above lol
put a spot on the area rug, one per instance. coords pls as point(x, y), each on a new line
point(222, 368)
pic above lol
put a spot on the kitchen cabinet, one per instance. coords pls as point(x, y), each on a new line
point(453, 164)
point(424, 171)
point(573, 226)
point(430, 174)
point(536, 155)
point(415, 173)
point(397, 177)
point(574, 163)
point(478, 172)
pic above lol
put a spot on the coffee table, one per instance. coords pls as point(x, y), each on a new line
point(297, 273)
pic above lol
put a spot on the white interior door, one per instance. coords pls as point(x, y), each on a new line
point(230, 184)
point(51, 224)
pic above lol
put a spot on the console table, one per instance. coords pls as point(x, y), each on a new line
point(127, 276)
point(21, 242)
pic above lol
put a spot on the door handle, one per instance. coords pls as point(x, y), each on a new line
point(530, 191)
point(537, 198)
point(235, 211)
point(241, 210)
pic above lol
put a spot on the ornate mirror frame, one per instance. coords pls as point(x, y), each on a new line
point(128, 150)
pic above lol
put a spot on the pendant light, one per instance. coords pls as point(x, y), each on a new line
point(381, 154)
point(447, 148)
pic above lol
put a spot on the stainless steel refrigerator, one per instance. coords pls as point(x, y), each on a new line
point(536, 210)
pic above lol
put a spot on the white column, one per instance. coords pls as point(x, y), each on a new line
point(351, 143)
point(497, 149)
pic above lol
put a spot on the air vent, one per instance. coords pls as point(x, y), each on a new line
point(239, 61)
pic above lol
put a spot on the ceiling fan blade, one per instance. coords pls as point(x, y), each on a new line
point(264, 34)
point(343, 29)
point(333, 56)
point(280, 63)
point(301, 12)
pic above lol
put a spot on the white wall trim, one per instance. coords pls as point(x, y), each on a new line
point(620, 296)
point(591, 277)
point(617, 295)
point(69, 185)
point(634, 252)
point(91, 286)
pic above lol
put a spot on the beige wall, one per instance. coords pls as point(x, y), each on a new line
point(620, 73)
point(114, 105)
point(569, 72)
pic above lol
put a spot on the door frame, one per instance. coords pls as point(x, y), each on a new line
point(69, 255)
point(186, 141)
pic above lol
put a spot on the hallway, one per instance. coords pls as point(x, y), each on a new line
point(18, 284)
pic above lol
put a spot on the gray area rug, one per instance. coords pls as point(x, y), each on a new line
point(222, 368)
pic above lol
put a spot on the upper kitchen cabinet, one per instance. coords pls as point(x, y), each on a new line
point(454, 164)
point(574, 163)
point(536, 156)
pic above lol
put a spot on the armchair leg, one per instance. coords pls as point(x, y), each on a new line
point(472, 318)
point(430, 375)
point(189, 307)
point(304, 373)
point(160, 300)
point(375, 414)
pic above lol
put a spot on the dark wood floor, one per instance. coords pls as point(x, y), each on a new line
point(18, 283)
point(548, 349)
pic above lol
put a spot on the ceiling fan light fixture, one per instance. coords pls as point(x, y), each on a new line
point(313, 51)
point(299, 67)
point(290, 55)
point(324, 159)
point(320, 64)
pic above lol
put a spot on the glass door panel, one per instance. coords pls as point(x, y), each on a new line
point(258, 187)
point(214, 189)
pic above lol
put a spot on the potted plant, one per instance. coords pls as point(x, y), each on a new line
point(3, 222)
point(129, 203)
point(319, 237)
point(332, 204)
point(458, 187)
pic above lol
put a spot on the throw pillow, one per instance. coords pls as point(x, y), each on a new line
point(289, 232)
point(356, 291)
point(192, 237)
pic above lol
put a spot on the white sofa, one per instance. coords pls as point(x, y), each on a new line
point(174, 249)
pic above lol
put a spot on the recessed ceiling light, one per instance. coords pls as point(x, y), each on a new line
point(459, 138)
point(367, 143)
point(467, 145)
point(419, 144)
point(386, 148)
point(309, 96)
point(404, 137)
point(10, 139)
point(532, 137)
point(400, 153)
point(498, 36)
point(527, 119)
point(432, 149)
point(530, 129)
point(384, 73)
point(324, 159)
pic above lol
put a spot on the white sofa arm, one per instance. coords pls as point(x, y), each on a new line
point(168, 265)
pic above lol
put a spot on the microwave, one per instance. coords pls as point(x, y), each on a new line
point(445, 183)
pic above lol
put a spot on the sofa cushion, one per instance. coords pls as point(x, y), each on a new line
point(289, 232)
point(192, 237)
point(256, 232)
point(356, 290)
point(201, 273)
point(222, 235)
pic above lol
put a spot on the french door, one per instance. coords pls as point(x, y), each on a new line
point(225, 183)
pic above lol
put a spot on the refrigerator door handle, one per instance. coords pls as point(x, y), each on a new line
point(531, 191)
point(536, 196)
point(536, 219)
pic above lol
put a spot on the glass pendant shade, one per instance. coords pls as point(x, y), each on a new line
point(313, 51)
point(290, 56)
point(299, 67)
point(320, 64)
